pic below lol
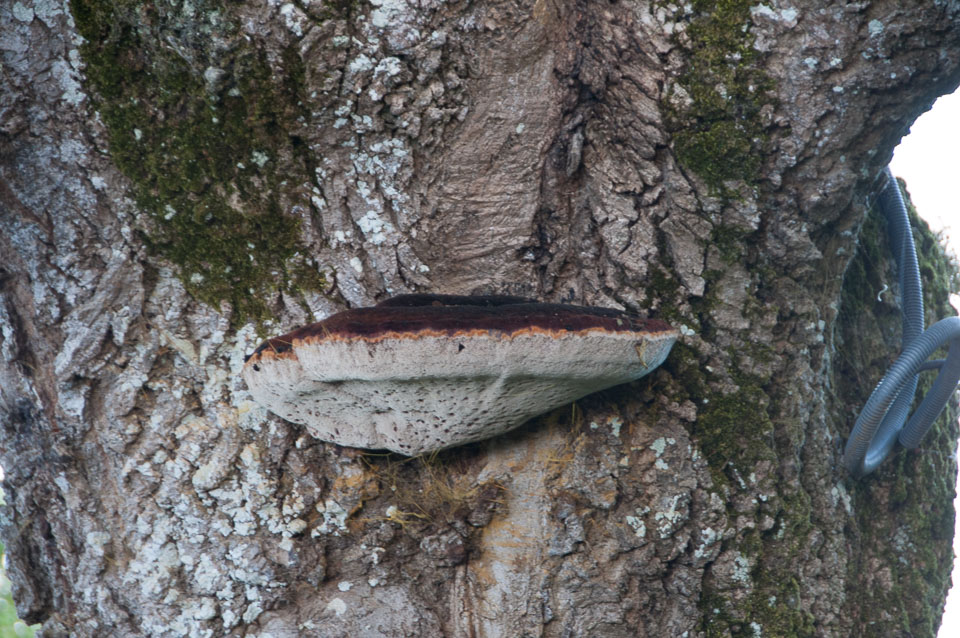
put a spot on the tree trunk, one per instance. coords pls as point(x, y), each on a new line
point(190, 176)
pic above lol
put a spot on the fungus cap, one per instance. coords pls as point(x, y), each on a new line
point(418, 373)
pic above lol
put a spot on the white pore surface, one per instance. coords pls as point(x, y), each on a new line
point(419, 394)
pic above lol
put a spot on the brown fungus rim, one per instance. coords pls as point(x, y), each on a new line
point(420, 315)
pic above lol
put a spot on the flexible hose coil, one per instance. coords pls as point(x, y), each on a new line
point(881, 422)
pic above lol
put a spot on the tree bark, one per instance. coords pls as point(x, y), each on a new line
point(180, 179)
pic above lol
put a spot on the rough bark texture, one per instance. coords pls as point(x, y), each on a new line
point(179, 178)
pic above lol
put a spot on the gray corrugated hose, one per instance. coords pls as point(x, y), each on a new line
point(881, 422)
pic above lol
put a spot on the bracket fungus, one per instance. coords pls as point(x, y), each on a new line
point(418, 373)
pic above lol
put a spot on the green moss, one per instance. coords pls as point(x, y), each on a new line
point(772, 609)
point(205, 155)
point(685, 367)
point(718, 134)
point(735, 432)
point(735, 429)
point(715, 619)
point(663, 287)
point(773, 605)
point(729, 241)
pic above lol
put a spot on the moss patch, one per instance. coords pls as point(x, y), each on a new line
point(197, 121)
point(717, 133)
point(736, 433)
point(735, 428)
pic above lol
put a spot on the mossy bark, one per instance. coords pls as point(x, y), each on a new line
point(179, 178)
